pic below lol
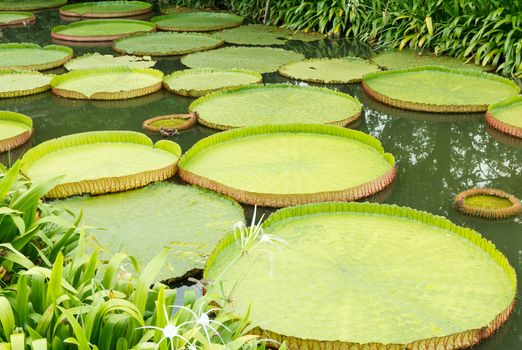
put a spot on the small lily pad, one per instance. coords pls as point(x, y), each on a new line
point(97, 60)
point(14, 18)
point(488, 203)
point(168, 123)
point(197, 21)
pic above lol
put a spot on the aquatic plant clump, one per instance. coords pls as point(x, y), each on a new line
point(106, 9)
point(15, 83)
point(170, 123)
point(378, 272)
point(114, 83)
point(12, 18)
point(506, 116)
point(8, 5)
point(488, 203)
point(15, 130)
point(100, 29)
point(201, 81)
point(329, 70)
point(438, 89)
point(258, 59)
point(97, 60)
point(188, 220)
point(259, 35)
point(100, 162)
point(197, 21)
point(275, 104)
point(165, 44)
point(33, 56)
point(282, 165)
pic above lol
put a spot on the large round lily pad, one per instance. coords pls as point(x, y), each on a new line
point(15, 18)
point(187, 219)
point(258, 34)
point(97, 60)
point(329, 70)
point(100, 29)
point(114, 83)
point(106, 9)
point(400, 59)
point(15, 130)
point(101, 162)
point(258, 59)
point(506, 116)
point(438, 89)
point(366, 276)
point(275, 104)
point(281, 165)
point(201, 81)
point(197, 21)
point(30, 4)
point(14, 83)
point(165, 44)
point(33, 56)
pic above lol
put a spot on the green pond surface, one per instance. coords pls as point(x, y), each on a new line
point(438, 155)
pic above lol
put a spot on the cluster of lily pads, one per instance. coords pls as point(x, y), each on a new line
point(283, 146)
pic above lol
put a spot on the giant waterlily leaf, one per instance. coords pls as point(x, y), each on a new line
point(15, 130)
point(101, 162)
point(275, 104)
point(329, 70)
point(281, 165)
point(258, 59)
point(108, 83)
point(14, 83)
point(257, 34)
point(188, 220)
point(201, 81)
point(30, 4)
point(33, 56)
point(488, 203)
point(197, 21)
point(506, 116)
point(438, 89)
point(387, 277)
point(100, 29)
point(165, 44)
point(96, 60)
point(106, 9)
point(14, 18)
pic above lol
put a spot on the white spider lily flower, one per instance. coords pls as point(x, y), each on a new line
point(203, 320)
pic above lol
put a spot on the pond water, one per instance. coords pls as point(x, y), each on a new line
point(438, 155)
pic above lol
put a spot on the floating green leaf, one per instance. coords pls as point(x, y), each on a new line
point(14, 83)
point(506, 116)
point(15, 130)
point(197, 21)
point(393, 277)
point(275, 104)
point(97, 60)
point(488, 203)
point(100, 29)
point(106, 9)
point(33, 56)
point(165, 44)
point(30, 4)
point(14, 17)
point(257, 34)
point(258, 59)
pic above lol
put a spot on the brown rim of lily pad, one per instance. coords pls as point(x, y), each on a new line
point(190, 119)
point(498, 124)
point(92, 38)
point(500, 213)
point(20, 139)
point(24, 21)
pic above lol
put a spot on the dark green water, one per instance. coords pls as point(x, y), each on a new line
point(438, 155)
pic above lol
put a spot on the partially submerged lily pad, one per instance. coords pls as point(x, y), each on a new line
point(258, 34)
point(165, 44)
point(275, 104)
point(97, 60)
point(7, 5)
point(400, 59)
point(33, 56)
point(258, 59)
point(329, 70)
point(100, 29)
point(438, 89)
point(488, 203)
point(506, 116)
point(197, 21)
point(114, 83)
point(15, 130)
point(15, 18)
point(14, 83)
point(281, 165)
point(106, 9)
point(393, 277)
point(100, 162)
point(188, 220)
point(201, 81)
point(167, 123)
